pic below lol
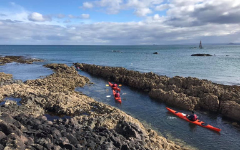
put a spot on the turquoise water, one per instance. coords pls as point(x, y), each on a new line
point(223, 67)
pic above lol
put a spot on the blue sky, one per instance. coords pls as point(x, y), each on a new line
point(112, 22)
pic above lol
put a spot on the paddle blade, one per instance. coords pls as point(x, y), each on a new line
point(107, 84)
point(120, 84)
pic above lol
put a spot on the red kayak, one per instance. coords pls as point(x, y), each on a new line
point(114, 88)
point(197, 122)
point(118, 99)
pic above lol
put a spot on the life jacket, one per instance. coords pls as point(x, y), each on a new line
point(194, 117)
point(114, 85)
point(117, 95)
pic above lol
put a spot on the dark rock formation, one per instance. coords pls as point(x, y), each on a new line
point(19, 59)
point(187, 93)
point(201, 55)
point(26, 132)
point(155, 53)
point(93, 125)
point(116, 51)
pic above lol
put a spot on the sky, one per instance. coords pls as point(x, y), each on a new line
point(119, 22)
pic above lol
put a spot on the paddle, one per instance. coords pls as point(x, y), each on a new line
point(118, 85)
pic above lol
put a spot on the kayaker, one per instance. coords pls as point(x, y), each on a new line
point(114, 85)
point(192, 117)
point(117, 94)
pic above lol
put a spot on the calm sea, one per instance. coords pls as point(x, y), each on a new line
point(171, 60)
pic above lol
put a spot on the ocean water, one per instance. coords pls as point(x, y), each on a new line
point(171, 60)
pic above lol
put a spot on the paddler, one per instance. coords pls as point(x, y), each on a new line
point(114, 85)
point(192, 117)
point(117, 94)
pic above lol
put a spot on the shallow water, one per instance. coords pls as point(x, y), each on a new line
point(170, 60)
point(11, 98)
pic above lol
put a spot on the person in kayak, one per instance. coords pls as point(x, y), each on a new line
point(192, 117)
point(114, 85)
point(117, 94)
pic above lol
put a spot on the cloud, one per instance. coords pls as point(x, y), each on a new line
point(3, 15)
point(199, 12)
point(38, 17)
point(85, 16)
point(186, 21)
point(140, 7)
point(142, 12)
point(71, 16)
point(82, 16)
point(87, 5)
point(162, 7)
point(60, 16)
point(67, 21)
point(145, 32)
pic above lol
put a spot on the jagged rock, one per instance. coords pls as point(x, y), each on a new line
point(210, 102)
point(2, 135)
point(63, 80)
point(19, 59)
point(14, 142)
point(230, 109)
point(188, 93)
point(93, 125)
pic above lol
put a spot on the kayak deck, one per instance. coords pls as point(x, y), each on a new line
point(197, 122)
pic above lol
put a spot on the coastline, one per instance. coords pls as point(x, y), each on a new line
point(186, 93)
point(55, 93)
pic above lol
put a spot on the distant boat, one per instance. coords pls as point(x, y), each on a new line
point(200, 45)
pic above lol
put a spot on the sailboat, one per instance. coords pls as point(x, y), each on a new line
point(200, 45)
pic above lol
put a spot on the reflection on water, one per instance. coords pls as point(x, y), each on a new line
point(17, 100)
point(192, 127)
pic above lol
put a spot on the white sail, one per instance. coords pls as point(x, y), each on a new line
point(200, 45)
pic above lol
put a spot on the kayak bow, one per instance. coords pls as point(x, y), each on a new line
point(197, 122)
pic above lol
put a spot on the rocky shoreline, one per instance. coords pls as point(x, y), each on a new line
point(93, 125)
point(186, 93)
point(18, 59)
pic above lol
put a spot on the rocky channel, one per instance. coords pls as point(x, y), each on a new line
point(93, 125)
point(187, 93)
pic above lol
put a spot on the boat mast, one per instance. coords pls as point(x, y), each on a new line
point(200, 45)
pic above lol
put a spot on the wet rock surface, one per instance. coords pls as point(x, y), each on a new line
point(93, 125)
point(188, 93)
point(18, 59)
point(28, 132)
point(63, 80)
